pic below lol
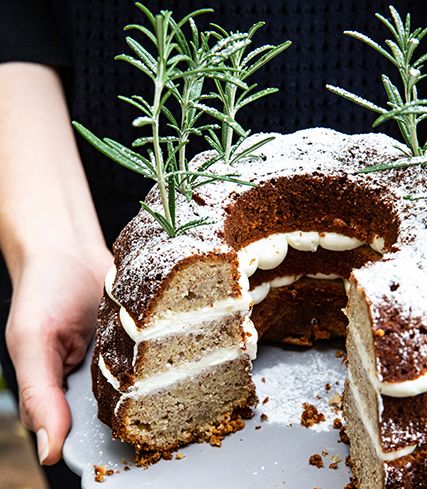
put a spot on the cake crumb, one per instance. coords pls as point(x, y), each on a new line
point(337, 424)
point(266, 400)
point(215, 441)
point(100, 473)
point(339, 353)
point(258, 427)
point(344, 437)
point(311, 415)
point(263, 417)
point(379, 332)
point(263, 379)
point(333, 465)
point(126, 468)
point(316, 461)
point(335, 400)
point(179, 456)
point(325, 453)
point(328, 387)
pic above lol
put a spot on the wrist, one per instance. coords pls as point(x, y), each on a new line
point(21, 255)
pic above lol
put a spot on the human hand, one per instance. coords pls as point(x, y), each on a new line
point(50, 324)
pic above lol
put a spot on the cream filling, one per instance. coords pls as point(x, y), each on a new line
point(109, 281)
point(385, 456)
point(172, 376)
point(260, 292)
point(184, 322)
point(269, 252)
point(251, 337)
point(109, 377)
point(406, 388)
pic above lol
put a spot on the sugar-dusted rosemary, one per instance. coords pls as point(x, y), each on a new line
point(180, 67)
point(404, 105)
point(235, 96)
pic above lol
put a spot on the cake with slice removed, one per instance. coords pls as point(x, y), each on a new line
point(180, 318)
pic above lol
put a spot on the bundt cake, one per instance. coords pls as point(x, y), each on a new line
point(313, 249)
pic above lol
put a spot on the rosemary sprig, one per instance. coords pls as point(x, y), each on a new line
point(415, 197)
point(404, 106)
point(244, 64)
point(177, 68)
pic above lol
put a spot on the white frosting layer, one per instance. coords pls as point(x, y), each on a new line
point(188, 370)
point(109, 281)
point(251, 337)
point(338, 242)
point(185, 322)
point(284, 281)
point(407, 388)
point(385, 456)
point(378, 245)
point(107, 374)
point(303, 240)
point(270, 251)
point(324, 276)
point(260, 292)
point(248, 262)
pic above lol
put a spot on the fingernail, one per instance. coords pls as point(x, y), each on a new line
point(42, 445)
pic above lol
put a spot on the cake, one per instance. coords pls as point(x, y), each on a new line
point(312, 250)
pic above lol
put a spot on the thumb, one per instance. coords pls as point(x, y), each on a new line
point(45, 411)
point(43, 406)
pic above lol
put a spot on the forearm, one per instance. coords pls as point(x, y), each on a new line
point(45, 203)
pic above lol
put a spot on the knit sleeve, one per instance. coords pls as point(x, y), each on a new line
point(28, 32)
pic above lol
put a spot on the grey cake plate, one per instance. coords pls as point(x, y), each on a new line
point(273, 456)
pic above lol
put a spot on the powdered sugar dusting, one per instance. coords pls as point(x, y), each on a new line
point(300, 377)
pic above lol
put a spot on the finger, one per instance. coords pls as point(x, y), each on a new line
point(43, 406)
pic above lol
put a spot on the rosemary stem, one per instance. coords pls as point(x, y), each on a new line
point(183, 135)
point(411, 118)
point(229, 130)
point(157, 150)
